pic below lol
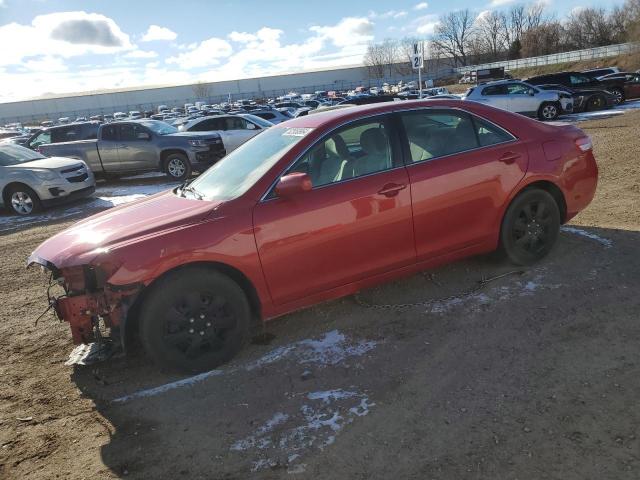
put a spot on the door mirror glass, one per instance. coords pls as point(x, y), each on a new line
point(251, 126)
point(293, 184)
point(143, 136)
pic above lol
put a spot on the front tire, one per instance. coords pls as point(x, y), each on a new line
point(548, 111)
point(22, 200)
point(177, 166)
point(194, 320)
point(530, 227)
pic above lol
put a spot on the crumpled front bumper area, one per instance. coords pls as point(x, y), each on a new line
point(89, 299)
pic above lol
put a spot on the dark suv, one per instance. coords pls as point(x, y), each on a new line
point(63, 133)
point(615, 85)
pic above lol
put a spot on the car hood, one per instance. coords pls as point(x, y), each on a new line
point(101, 233)
point(48, 163)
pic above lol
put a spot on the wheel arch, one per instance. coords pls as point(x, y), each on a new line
point(165, 153)
point(543, 184)
point(7, 188)
point(131, 321)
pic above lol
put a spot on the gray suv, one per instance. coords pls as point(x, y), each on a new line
point(520, 97)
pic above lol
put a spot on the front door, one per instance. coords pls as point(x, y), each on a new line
point(462, 170)
point(356, 222)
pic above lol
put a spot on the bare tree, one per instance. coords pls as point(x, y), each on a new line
point(542, 40)
point(491, 35)
point(202, 90)
point(453, 35)
point(381, 58)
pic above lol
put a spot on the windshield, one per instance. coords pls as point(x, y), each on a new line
point(160, 128)
point(15, 154)
point(237, 172)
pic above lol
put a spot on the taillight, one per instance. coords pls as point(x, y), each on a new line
point(584, 144)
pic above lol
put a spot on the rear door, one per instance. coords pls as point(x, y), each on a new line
point(136, 150)
point(461, 169)
point(356, 222)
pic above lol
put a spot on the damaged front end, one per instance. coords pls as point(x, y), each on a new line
point(89, 303)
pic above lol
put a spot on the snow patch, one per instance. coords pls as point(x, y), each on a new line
point(332, 349)
point(496, 294)
point(285, 439)
point(607, 243)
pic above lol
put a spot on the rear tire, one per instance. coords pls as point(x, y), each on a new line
point(194, 320)
point(596, 103)
point(619, 94)
point(548, 111)
point(22, 200)
point(530, 227)
point(177, 166)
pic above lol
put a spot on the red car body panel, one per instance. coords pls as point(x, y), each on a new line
point(329, 242)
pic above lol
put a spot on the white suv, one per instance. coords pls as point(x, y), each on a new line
point(520, 97)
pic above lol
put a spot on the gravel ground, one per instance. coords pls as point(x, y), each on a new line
point(534, 376)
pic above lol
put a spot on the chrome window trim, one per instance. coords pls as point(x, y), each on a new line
point(400, 111)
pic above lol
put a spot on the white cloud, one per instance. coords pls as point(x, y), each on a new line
point(500, 3)
point(425, 25)
point(156, 32)
point(141, 54)
point(389, 14)
point(205, 54)
point(349, 31)
point(421, 6)
point(63, 34)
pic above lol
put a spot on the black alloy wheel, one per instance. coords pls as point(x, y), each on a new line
point(530, 227)
point(194, 320)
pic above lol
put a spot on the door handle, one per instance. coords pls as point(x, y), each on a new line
point(392, 189)
point(509, 157)
point(123, 146)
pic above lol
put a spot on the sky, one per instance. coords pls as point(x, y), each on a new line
point(66, 46)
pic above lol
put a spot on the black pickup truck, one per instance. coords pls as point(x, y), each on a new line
point(137, 146)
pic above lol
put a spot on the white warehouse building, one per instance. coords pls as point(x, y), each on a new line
point(148, 98)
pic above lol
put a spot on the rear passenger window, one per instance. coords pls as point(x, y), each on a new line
point(489, 134)
point(436, 133)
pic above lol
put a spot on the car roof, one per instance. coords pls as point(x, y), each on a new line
point(330, 117)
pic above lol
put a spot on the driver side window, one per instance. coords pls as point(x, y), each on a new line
point(350, 152)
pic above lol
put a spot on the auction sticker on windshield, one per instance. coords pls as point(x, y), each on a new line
point(297, 132)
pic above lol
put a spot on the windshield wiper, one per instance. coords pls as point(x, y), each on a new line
point(193, 191)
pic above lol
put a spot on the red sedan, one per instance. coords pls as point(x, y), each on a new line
point(314, 209)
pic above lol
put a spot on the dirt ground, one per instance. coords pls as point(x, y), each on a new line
point(535, 376)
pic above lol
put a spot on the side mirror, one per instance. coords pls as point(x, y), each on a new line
point(143, 136)
point(293, 184)
point(251, 126)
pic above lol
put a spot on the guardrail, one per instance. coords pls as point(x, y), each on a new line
point(554, 58)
